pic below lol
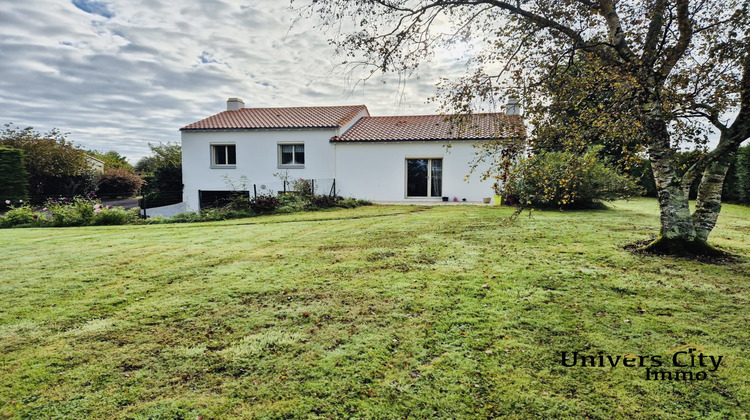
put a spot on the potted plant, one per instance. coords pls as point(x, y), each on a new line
point(498, 198)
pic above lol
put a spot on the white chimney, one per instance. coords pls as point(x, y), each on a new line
point(235, 104)
point(513, 107)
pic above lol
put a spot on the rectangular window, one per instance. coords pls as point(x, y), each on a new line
point(424, 177)
point(223, 155)
point(291, 154)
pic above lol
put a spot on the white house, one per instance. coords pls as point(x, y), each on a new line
point(376, 158)
point(95, 165)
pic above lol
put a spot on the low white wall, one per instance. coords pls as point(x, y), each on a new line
point(377, 171)
point(167, 211)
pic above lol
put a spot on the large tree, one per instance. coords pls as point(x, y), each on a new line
point(55, 166)
point(666, 62)
point(162, 171)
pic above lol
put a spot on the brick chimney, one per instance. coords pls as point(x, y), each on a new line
point(235, 104)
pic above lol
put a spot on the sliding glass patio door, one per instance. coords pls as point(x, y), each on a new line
point(424, 177)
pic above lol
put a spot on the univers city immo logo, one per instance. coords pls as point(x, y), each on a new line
point(685, 363)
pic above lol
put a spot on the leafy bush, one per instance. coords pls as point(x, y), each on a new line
point(290, 203)
point(303, 187)
point(163, 174)
point(264, 203)
point(53, 164)
point(239, 202)
point(108, 215)
point(61, 212)
point(112, 159)
point(164, 187)
point(22, 215)
point(323, 201)
point(13, 176)
point(116, 182)
point(78, 211)
point(562, 179)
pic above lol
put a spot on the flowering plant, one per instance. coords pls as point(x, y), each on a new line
point(303, 187)
point(20, 215)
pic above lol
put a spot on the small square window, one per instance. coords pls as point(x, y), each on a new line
point(291, 154)
point(223, 155)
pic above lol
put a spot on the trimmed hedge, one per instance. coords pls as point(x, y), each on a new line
point(117, 183)
point(737, 183)
point(13, 177)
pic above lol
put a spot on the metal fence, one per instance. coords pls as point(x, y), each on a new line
point(298, 186)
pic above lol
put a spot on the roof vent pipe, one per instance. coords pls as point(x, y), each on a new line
point(235, 104)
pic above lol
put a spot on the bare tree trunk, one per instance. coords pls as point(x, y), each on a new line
point(708, 203)
point(678, 235)
point(673, 203)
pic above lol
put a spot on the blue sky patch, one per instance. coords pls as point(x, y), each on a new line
point(94, 7)
point(207, 58)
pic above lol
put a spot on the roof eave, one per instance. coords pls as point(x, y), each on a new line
point(258, 128)
point(338, 140)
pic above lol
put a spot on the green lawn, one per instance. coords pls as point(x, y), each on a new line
point(374, 312)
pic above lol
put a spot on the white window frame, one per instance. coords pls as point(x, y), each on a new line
point(225, 165)
point(294, 155)
point(429, 177)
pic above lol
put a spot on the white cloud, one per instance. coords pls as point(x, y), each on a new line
point(118, 74)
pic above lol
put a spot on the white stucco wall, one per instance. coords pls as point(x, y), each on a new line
point(257, 158)
point(377, 171)
point(165, 211)
point(373, 171)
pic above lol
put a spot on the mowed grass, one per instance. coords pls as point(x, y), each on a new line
point(374, 312)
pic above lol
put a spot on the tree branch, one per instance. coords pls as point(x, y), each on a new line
point(676, 52)
point(650, 46)
point(741, 125)
point(711, 115)
point(539, 20)
point(616, 33)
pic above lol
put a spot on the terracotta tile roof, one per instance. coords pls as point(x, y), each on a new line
point(434, 127)
point(269, 118)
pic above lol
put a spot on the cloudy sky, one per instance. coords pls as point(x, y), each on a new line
point(118, 74)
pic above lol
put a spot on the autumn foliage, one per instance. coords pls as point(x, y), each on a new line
point(118, 182)
point(55, 167)
point(567, 180)
point(646, 76)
